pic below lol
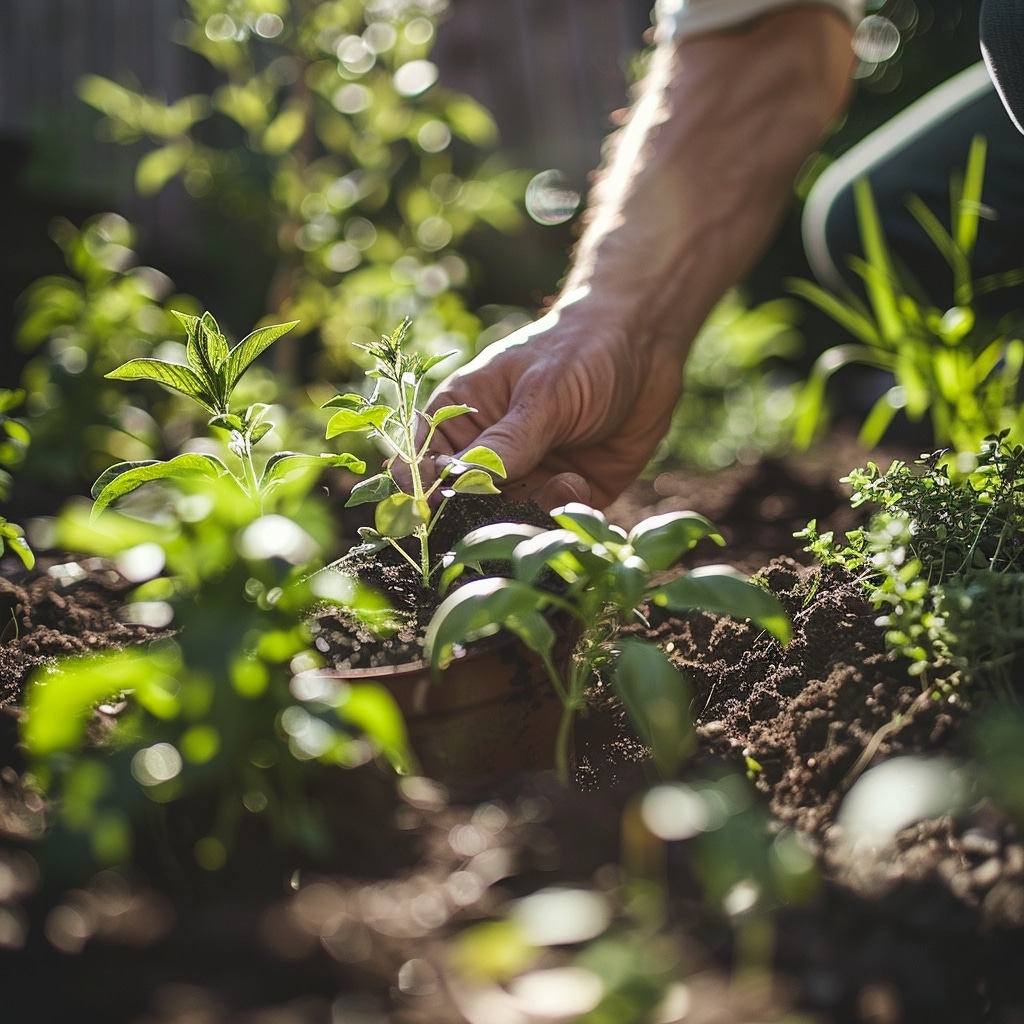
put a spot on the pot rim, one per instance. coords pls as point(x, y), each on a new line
point(478, 648)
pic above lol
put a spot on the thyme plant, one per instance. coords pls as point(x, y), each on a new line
point(942, 559)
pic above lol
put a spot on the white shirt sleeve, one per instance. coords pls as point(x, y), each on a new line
point(677, 19)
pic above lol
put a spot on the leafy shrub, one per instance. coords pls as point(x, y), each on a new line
point(107, 310)
point(331, 148)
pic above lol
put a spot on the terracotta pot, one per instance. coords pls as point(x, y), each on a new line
point(493, 716)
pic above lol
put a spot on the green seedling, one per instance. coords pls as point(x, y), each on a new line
point(209, 378)
point(404, 507)
point(603, 574)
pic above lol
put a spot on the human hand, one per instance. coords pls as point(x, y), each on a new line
point(574, 406)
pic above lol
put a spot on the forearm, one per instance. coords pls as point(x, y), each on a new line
point(700, 176)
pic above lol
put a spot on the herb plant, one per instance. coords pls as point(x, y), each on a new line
point(212, 373)
point(602, 574)
point(403, 499)
point(942, 559)
point(945, 365)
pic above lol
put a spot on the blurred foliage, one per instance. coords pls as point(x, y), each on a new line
point(80, 327)
point(330, 141)
point(14, 441)
point(201, 730)
point(326, 152)
point(739, 396)
point(616, 954)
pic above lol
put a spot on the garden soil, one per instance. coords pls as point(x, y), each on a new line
point(926, 924)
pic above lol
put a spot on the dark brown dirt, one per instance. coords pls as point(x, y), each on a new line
point(927, 926)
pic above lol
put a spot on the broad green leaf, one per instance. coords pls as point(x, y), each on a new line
point(171, 375)
point(372, 417)
point(663, 539)
point(228, 421)
point(13, 537)
point(259, 432)
point(476, 610)
point(447, 412)
point(249, 348)
point(123, 478)
point(495, 542)
point(475, 481)
point(588, 523)
point(374, 488)
point(481, 457)
point(372, 709)
point(548, 549)
point(399, 515)
point(285, 466)
point(631, 577)
point(346, 401)
point(724, 591)
point(656, 697)
point(429, 362)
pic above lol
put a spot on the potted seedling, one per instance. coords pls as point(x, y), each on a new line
point(604, 574)
point(495, 713)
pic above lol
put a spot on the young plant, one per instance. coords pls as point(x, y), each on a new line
point(404, 499)
point(212, 373)
point(944, 365)
point(602, 574)
point(942, 560)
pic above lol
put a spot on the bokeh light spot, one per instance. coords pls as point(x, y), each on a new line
point(551, 199)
